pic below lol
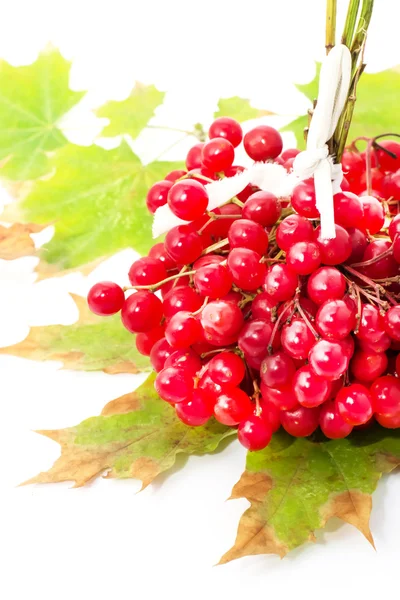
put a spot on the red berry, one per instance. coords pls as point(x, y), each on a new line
point(186, 359)
point(392, 322)
point(277, 369)
point(353, 164)
point(188, 199)
point(332, 423)
point(193, 158)
point(145, 341)
point(292, 229)
point(394, 227)
point(225, 127)
point(254, 433)
point(271, 414)
point(303, 199)
point(263, 143)
point(359, 243)
point(282, 398)
point(158, 252)
point(280, 283)
point(327, 283)
point(213, 390)
point(374, 214)
point(336, 250)
point(354, 404)
point(226, 368)
point(181, 298)
point(303, 257)
point(195, 411)
point(254, 338)
point(218, 154)
point(348, 209)
point(370, 327)
point(141, 312)
point(289, 153)
point(213, 280)
point(383, 268)
point(297, 339)
point(335, 319)
point(244, 233)
point(328, 360)
point(232, 406)
point(392, 422)
point(159, 354)
point(300, 421)
point(222, 322)
point(262, 307)
point(175, 175)
point(385, 393)
point(368, 366)
point(174, 385)
point(245, 267)
point(147, 271)
point(183, 330)
point(183, 244)
point(385, 161)
point(157, 195)
point(263, 208)
point(105, 298)
point(310, 389)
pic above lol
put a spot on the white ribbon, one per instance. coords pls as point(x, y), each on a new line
point(315, 161)
point(334, 82)
point(266, 176)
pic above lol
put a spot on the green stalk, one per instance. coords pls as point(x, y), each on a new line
point(356, 44)
point(330, 35)
point(362, 27)
point(350, 23)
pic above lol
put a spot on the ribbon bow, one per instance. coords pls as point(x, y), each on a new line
point(334, 85)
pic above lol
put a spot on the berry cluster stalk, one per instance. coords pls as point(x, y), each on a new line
point(354, 37)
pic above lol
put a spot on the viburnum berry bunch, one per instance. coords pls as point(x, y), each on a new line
point(248, 315)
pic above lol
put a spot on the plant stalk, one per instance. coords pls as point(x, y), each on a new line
point(350, 23)
point(330, 30)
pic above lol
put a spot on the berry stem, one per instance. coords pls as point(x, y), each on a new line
point(155, 286)
point(371, 261)
point(256, 397)
point(276, 326)
point(306, 319)
point(330, 35)
point(216, 246)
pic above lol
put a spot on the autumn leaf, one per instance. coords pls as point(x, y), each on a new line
point(33, 99)
point(137, 435)
point(131, 115)
point(92, 344)
point(16, 240)
point(239, 109)
point(375, 109)
point(295, 485)
point(97, 200)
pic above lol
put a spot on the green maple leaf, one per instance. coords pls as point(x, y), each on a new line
point(295, 485)
point(91, 344)
point(138, 435)
point(32, 101)
point(239, 109)
point(131, 115)
point(375, 109)
point(97, 201)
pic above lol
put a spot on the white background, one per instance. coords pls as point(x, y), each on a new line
point(104, 541)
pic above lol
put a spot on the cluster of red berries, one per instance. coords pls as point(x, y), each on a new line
point(249, 316)
point(375, 171)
